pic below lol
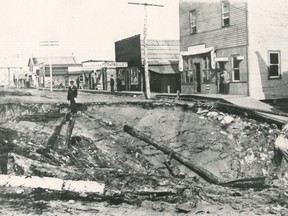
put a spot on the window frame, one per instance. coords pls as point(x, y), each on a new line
point(279, 64)
point(193, 22)
point(225, 15)
point(233, 69)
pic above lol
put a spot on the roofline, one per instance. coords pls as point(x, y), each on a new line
point(97, 61)
point(124, 39)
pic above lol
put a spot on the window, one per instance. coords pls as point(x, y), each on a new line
point(236, 69)
point(225, 14)
point(188, 73)
point(206, 70)
point(274, 64)
point(193, 22)
point(189, 77)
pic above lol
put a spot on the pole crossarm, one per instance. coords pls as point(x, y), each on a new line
point(146, 64)
point(49, 44)
point(146, 4)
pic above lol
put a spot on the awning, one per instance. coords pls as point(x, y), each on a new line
point(197, 50)
point(221, 59)
point(164, 69)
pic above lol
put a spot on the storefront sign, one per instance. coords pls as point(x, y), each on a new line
point(99, 65)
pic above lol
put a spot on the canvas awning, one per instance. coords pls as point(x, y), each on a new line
point(164, 69)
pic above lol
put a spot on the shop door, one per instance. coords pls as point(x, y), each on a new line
point(198, 77)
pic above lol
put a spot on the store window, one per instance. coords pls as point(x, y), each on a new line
point(187, 75)
point(235, 69)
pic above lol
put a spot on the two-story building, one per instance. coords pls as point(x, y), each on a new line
point(248, 39)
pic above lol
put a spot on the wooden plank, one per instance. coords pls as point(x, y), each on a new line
point(51, 184)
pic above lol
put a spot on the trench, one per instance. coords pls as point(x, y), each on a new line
point(131, 169)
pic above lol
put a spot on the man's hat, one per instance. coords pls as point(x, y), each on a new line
point(71, 81)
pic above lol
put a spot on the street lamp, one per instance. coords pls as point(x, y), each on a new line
point(49, 43)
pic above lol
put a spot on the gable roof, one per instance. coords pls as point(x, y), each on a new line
point(54, 60)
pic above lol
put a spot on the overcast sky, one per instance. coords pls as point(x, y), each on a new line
point(87, 28)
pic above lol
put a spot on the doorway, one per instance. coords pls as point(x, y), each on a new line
point(198, 77)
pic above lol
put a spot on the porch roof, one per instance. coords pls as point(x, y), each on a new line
point(164, 69)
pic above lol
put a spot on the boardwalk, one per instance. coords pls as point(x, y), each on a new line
point(242, 102)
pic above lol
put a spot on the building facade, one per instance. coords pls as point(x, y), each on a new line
point(99, 72)
point(232, 35)
point(163, 59)
point(64, 69)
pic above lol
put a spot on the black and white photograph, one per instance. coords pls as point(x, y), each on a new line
point(144, 107)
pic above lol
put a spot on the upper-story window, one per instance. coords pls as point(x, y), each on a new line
point(274, 64)
point(192, 16)
point(225, 13)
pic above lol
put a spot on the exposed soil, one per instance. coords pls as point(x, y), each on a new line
point(137, 181)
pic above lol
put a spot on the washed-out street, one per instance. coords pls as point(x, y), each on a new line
point(129, 174)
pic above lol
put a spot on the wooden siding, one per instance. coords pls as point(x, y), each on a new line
point(161, 50)
point(235, 88)
point(129, 50)
point(267, 31)
point(209, 25)
point(230, 52)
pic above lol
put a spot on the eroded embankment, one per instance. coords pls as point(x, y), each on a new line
point(229, 146)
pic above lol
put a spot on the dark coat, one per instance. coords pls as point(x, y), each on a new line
point(112, 82)
point(72, 93)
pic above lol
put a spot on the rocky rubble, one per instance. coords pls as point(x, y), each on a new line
point(252, 141)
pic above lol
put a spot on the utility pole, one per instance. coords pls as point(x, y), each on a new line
point(49, 43)
point(146, 69)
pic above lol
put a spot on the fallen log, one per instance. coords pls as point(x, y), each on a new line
point(202, 172)
point(41, 117)
point(69, 132)
point(257, 182)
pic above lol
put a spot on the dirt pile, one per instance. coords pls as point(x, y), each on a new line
point(229, 146)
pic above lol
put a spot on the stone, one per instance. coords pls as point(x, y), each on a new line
point(212, 114)
point(227, 120)
point(250, 157)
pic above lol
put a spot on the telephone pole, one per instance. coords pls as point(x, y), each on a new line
point(146, 69)
point(49, 43)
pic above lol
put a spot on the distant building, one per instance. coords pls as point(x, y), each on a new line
point(98, 73)
point(248, 40)
point(163, 58)
point(64, 69)
point(12, 71)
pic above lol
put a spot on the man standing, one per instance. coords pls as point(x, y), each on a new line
point(112, 82)
point(226, 81)
point(72, 95)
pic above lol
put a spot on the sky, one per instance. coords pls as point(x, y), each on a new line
point(85, 28)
